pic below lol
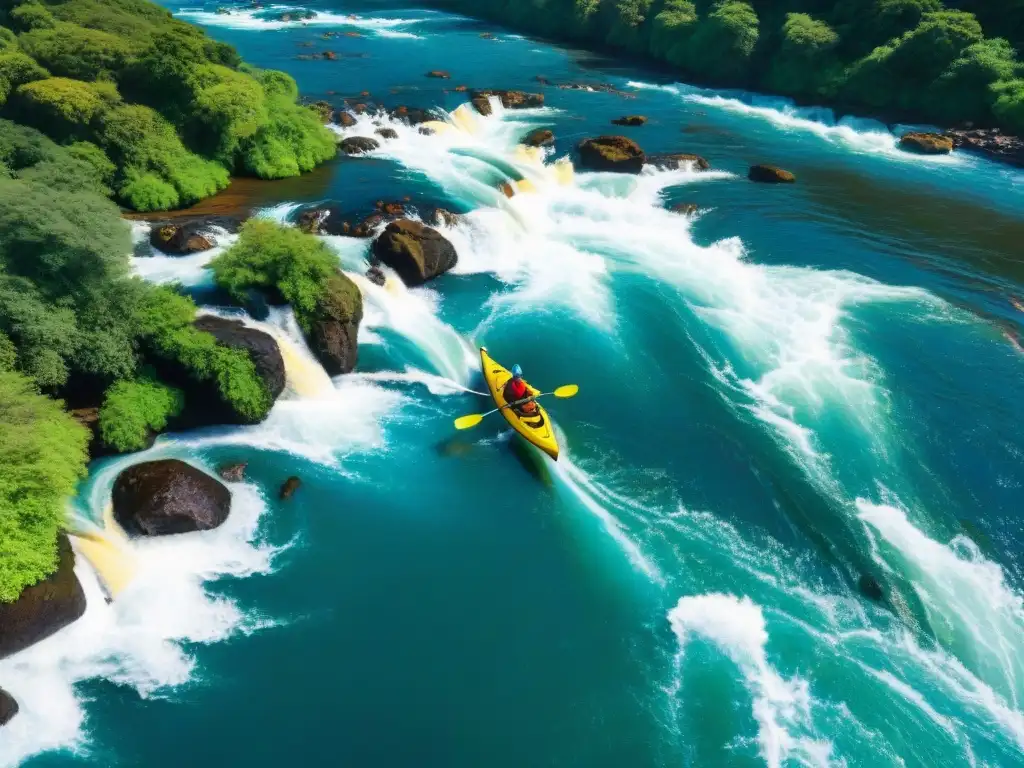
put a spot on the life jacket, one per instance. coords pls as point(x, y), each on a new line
point(516, 389)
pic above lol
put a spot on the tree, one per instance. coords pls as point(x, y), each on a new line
point(64, 107)
point(805, 64)
point(1009, 104)
point(292, 141)
point(68, 50)
point(229, 107)
point(964, 90)
point(135, 409)
point(31, 16)
point(723, 42)
point(672, 31)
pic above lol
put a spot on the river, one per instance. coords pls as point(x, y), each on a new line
point(793, 389)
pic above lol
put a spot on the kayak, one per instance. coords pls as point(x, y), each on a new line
point(535, 428)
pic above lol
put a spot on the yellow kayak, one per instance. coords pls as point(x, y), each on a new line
point(537, 428)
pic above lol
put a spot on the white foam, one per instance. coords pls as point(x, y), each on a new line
point(189, 271)
point(781, 707)
point(268, 19)
point(137, 640)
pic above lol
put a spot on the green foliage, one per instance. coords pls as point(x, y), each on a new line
point(672, 30)
point(1009, 104)
point(806, 64)
point(964, 90)
point(8, 353)
point(8, 40)
point(229, 107)
point(293, 141)
point(134, 409)
point(724, 42)
point(627, 22)
point(63, 106)
point(277, 84)
point(17, 69)
point(31, 16)
point(94, 157)
point(68, 50)
point(43, 454)
point(165, 322)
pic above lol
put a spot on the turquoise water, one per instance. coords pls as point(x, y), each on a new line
point(795, 388)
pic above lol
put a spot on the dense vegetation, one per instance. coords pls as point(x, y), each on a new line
point(104, 99)
point(170, 113)
point(948, 62)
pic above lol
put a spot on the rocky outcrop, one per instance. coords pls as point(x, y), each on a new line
point(387, 133)
point(541, 137)
point(509, 100)
point(261, 347)
point(233, 472)
point(161, 498)
point(43, 608)
point(611, 153)
point(332, 329)
point(769, 174)
point(679, 160)
point(411, 115)
point(344, 118)
point(323, 110)
point(180, 239)
point(8, 707)
point(376, 276)
point(291, 485)
point(926, 143)
point(416, 252)
point(630, 120)
point(358, 145)
point(991, 143)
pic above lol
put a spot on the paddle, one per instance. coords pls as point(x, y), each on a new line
point(465, 422)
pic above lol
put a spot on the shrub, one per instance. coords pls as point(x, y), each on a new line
point(292, 141)
point(17, 69)
point(133, 410)
point(1009, 104)
point(723, 43)
point(43, 453)
point(8, 353)
point(672, 30)
point(89, 153)
point(63, 106)
point(31, 16)
point(229, 107)
point(68, 50)
point(805, 63)
point(147, 192)
point(963, 91)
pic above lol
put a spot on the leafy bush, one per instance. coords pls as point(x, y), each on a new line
point(723, 43)
point(229, 107)
point(672, 30)
point(31, 16)
point(63, 106)
point(133, 410)
point(1009, 104)
point(17, 69)
point(68, 50)
point(806, 64)
point(293, 141)
point(43, 453)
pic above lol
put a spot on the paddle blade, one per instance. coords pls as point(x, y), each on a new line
point(568, 390)
point(465, 422)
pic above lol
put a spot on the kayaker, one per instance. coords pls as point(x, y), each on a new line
point(517, 389)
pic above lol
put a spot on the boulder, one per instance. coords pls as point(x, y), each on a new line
point(634, 120)
point(926, 143)
point(43, 608)
point(769, 174)
point(686, 209)
point(233, 472)
point(333, 327)
point(311, 220)
point(439, 74)
point(481, 105)
point(344, 118)
point(415, 251)
point(387, 133)
point(509, 99)
point(445, 218)
point(679, 160)
point(261, 347)
point(461, 88)
point(411, 115)
point(376, 276)
point(160, 498)
point(991, 143)
point(329, 55)
point(611, 153)
point(322, 109)
point(870, 588)
point(291, 485)
point(179, 240)
point(358, 145)
point(8, 707)
point(541, 137)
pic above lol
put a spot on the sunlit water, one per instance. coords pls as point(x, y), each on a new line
point(795, 388)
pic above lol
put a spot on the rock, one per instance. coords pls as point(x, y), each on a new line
point(161, 498)
point(222, 11)
point(291, 485)
point(334, 326)
point(323, 110)
point(312, 220)
point(439, 74)
point(179, 240)
point(481, 105)
point(43, 608)
point(488, 36)
point(445, 218)
point(232, 473)
point(541, 137)
point(630, 120)
point(769, 174)
point(358, 145)
point(411, 115)
point(329, 55)
point(416, 252)
point(686, 209)
point(387, 133)
point(926, 143)
point(376, 276)
point(679, 160)
point(461, 88)
point(870, 588)
point(991, 143)
point(8, 707)
point(426, 130)
point(344, 118)
point(611, 153)
point(390, 209)
point(353, 34)
point(510, 99)
point(261, 348)
point(542, 80)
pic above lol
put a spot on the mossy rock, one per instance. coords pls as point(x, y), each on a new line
point(416, 252)
point(769, 174)
point(332, 328)
point(611, 153)
point(926, 143)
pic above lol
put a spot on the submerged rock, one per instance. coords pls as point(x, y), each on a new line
point(769, 174)
point(439, 74)
point(679, 160)
point(870, 588)
point(541, 137)
point(8, 707)
point(358, 145)
point(43, 608)
point(161, 498)
point(444, 218)
point(333, 328)
point(611, 153)
point(180, 239)
point(376, 276)
point(686, 209)
point(291, 485)
point(387, 133)
point(926, 143)
point(344, 118)
point(416, 252)
point(631, 120)
point(411, 115)
point(232, 473)
point(261, 347)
